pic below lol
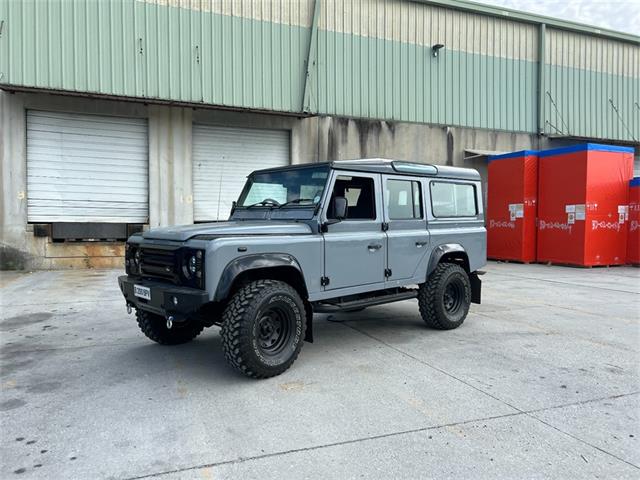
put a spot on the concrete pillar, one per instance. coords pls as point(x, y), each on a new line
point(13, 172)
point(170, 166)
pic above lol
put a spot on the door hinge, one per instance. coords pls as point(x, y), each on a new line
point(387, 272)
point(324, 281)
point(385, 226)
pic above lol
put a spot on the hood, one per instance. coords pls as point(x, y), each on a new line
point(185, 232)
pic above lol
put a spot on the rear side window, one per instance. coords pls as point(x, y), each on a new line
point(404, 201)
point(453, 199)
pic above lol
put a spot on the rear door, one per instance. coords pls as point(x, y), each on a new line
point(408, 237)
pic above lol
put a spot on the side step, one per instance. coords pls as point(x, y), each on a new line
point(337, 305)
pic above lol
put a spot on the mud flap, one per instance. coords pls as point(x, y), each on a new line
point(476, 288)
point(308, 334)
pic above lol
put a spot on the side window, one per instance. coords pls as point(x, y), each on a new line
point(404, 199)
point(453, 199)
point(360, 195)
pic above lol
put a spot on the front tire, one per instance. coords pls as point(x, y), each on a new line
point(155, 328)
point(445, 298)
point(263, 328)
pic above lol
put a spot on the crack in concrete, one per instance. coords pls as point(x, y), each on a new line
point(564, 283)
point(395, 434)
point(528, 413)
point(7, 348)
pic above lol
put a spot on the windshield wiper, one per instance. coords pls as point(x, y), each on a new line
point(297, 200)
point(267, 202)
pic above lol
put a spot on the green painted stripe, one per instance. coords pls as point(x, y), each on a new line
point(407, 83)
point(582, 106)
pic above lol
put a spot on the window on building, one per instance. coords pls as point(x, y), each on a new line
point(404, 199)
point(360, 195)
point(453, 199)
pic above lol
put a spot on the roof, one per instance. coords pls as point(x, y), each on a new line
point(388, 166)
point(501, 12)
point(520, 153)
point(584, 147)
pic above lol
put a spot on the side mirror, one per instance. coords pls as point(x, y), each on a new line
point(340, 208)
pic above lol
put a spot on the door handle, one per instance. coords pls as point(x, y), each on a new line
point(374, 247)
point(421, 244)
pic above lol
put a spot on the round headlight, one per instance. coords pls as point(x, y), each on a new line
point(192, 264)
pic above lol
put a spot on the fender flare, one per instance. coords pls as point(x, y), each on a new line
point(442, 250)
point(252, 262)
point(263, 261)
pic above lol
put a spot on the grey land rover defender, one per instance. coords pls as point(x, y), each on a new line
point(322, 237)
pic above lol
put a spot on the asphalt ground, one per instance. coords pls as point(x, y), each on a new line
point(542, 381)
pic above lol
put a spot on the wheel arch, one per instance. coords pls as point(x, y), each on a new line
point(274, 266)
point(448, 252)
point(277, 266)
point(456, 253)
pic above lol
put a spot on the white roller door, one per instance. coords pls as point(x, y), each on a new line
point(86, 168)
point(222, 159)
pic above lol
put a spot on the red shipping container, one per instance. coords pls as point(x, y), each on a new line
point(633, 241)
point(583, 198)
point(511, 206)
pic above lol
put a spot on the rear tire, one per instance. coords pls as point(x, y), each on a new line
point(155, 328)
point(445, 298)
point(263, 328)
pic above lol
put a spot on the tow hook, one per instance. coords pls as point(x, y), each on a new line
point(169, 322)
point(129, 308)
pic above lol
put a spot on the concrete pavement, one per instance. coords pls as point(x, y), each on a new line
point(543, 380)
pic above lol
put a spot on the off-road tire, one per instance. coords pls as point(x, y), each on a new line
point(431, 297)
point(155, 328)
point(244, 333)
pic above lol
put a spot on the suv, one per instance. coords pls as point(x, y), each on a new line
point(323, 237)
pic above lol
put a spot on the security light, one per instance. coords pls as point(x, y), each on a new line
point(435, 48)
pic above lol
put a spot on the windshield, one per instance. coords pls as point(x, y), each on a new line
point(290, 187)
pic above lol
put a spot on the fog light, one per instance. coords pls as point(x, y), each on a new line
point(174, 300)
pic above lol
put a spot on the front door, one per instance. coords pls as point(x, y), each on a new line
point(355, 248)
point(408, 236)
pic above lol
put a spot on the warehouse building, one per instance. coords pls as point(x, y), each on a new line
point(120, 115)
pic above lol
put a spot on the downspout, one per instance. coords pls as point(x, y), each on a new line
point(541, 76)
point(312, 58)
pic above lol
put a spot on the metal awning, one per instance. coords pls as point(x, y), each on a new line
point(473, 154)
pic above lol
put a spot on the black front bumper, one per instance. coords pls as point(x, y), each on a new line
point(189, 300)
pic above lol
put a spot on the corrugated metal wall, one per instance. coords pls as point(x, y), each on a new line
point(241, 54)
point(370, 59)
point(592, 86)
point(375, 61)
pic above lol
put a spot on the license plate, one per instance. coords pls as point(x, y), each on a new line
point(142, 292)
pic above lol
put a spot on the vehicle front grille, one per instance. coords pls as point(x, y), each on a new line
point(159, 263)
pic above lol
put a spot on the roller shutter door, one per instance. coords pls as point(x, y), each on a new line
point(86, 168)
point(222, 159)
